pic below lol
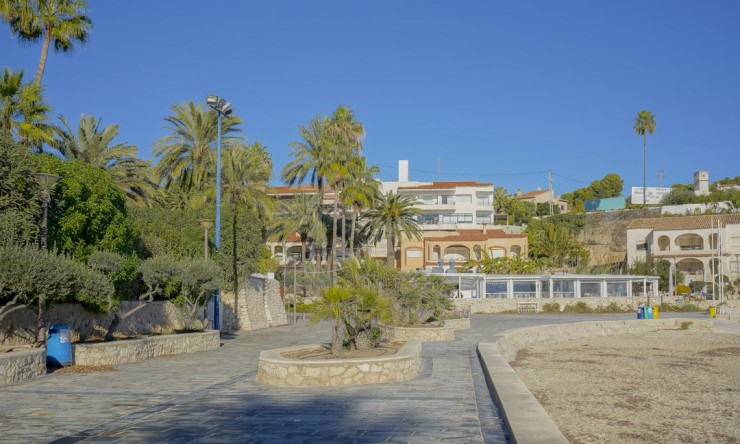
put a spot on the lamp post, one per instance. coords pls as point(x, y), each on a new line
point(206, 224)
point(221, 106)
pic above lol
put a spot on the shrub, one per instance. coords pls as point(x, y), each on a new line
point(551, 308)
point(680, 307)
point(613, 307)
point(685, 325)
point(682, 289)
point(579, 307)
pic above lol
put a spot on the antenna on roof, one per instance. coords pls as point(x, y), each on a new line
point(438, 159)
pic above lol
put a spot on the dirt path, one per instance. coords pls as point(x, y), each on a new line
point(679, 386)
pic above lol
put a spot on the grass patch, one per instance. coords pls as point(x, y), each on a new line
point(685, 325)
point(682, 308)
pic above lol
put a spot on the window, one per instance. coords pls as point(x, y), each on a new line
point(447, 200)
point(428, 199)
point(482, 218)
point(525, 289)
point(429, 219)
point(413, 253)
point(484, 201)
point(590, 289)
point(642, 246)
point(496, 289)
point(464, 199)
point(462, 218)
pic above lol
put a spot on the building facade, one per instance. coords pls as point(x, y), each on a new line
point(698, 246)
point(542, 197)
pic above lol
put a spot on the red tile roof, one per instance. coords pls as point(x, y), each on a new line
point(530, 194)
point(294, 189)
point(684, 222)
point(477, 235)
point(446, 185)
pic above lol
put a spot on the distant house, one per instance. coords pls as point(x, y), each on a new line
point(690, 242)
point(542, 197)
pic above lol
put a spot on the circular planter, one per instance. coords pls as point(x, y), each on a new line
point(432, 333)
point(275, 369)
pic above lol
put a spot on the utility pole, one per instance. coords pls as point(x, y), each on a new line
point(295, 291)
point(552, 196)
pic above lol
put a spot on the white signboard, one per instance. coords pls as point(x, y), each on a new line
point(654, 195)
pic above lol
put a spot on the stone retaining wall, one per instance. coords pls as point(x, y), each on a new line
point(490, 306)
point(511, 342)
point(457, 324)
point(135, 350)
point(24, 364)
point(258, 305)
point(275, 369)
point(424, 334)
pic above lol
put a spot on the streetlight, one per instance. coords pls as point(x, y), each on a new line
point(222, 107)
point(206, 224)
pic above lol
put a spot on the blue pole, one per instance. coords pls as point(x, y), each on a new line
point(216, 298)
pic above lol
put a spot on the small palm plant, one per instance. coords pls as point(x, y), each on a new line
point(332, 305)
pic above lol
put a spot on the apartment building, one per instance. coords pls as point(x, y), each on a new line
point(698, 246)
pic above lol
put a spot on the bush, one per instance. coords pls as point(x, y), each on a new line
point(682, 289)
point(613, 307)
point(551, 308)
point(680, 307)
point(19, 194)
point(579, 307)
point(685, 325)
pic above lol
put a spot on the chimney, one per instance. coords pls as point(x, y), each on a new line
point(403, 170)
point(518, 192)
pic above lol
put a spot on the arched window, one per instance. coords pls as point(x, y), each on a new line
point(664, 244)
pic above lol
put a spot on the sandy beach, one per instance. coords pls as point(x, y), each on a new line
point(670, 386)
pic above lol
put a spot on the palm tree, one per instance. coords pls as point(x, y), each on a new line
point(346, 129)
point(62, 22)
point(392, 215)
point(92, 145)
point(23, 113)
point(301, 215)
point(555, 242)
point(187, 156)
point(644, 124)
point(246, 173)
point(359, 192)
point(501, 201)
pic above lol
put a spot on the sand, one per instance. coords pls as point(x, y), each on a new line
point(670, 386)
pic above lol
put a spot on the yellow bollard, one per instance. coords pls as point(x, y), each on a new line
point(712, 311)
point(656, 314)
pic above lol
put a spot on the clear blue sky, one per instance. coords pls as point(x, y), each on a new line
point(490, 88)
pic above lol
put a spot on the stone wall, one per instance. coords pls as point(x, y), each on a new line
point(159, 317)
point(258, 305)
point(489, 306)
point(510, 342)
point(424, 334)
point(275, 369)
point(457, 324)
point(24, 364)
point(135, 350)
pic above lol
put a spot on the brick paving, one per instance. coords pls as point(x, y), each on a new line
point(212, 397)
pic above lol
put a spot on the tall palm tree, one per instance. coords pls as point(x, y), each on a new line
point(187, 156)
point(310, 156)
point(359, 192)
point(301, 215)
point(347, 129)
point(644, 124)
point(246, 173)
point(23, 113)
point(393, 215)
point(62, 22)
point(93, 145)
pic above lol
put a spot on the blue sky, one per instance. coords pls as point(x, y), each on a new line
point(496, 91)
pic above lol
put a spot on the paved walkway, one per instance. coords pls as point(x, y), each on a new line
point(212, 397)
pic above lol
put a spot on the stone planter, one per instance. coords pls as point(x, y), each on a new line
point(135, 350)
point(433, 333)
point(457, 324)
point(275, 369)
point(24, 364)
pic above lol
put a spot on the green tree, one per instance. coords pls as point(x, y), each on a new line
point(301, 215)
point(19, 194)
point(392, 216)
point(360, 192)
point(61, 22)
point(88, 210)
point(23, 113)
point(644, 125)
point(332, 305)
point(501, 200)
point(679, 196)
point(168, 232)
point(187, 156)
point(555, 242)
point(310, 156)
point(92, 145)
point(521, 211)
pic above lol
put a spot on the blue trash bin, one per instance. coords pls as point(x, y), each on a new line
point(58, 346)
point(641, 312)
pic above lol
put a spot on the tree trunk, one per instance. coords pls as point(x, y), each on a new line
point(112, 327)
point(303, 257)
point(644, 169)
point(334, 238)
point(344, 231)
point(390, 245)
point(233, 255)
point(42, 59)
point(45, 224)
point(41, 322)
point(336, 342)
point(352, 234)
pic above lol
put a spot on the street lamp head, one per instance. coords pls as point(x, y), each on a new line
point(212, 101)
point(219, 104)
point(206, 223)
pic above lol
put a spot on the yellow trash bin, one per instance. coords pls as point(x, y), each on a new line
point(712, 312)
point(656, 312)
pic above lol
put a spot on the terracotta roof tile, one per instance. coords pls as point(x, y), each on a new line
point(530, 194)
point(684, 222)
point(446, 185)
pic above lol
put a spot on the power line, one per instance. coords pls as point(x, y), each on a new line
point(570, 178)
point(468, 174)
